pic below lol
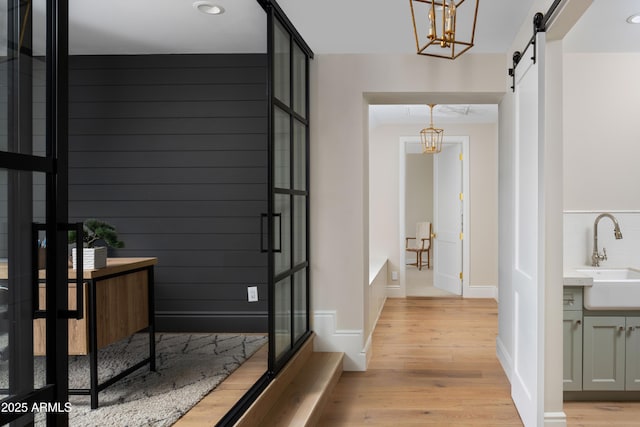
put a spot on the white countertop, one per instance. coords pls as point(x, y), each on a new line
point(574, 278)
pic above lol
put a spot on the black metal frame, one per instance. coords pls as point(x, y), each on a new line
point(274, 12)
point(54, 165)
point(540, 22)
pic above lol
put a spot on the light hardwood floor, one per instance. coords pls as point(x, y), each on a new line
point(434, 364)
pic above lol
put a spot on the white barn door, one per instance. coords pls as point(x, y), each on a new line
point(527, 381)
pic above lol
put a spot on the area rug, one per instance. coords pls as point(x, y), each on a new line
point(188, 366)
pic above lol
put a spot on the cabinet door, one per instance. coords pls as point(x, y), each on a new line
point(604, 353)
point(633, 354)
point(572, 353)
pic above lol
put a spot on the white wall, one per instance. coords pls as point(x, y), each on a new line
point(483, 198)
point(602, 139)
point(601, 151)
point(341, 88)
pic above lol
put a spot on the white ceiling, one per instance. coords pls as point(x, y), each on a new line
point(328, 26)
point(603, 28)
point(377, 26)
point(442, 114)
point(158, 27)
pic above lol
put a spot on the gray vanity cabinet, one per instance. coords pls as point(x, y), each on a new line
point(611, 353)
point(572, 339)
point(632, 362)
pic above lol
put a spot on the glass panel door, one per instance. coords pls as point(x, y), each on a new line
point(289, 200)
point(33, 363)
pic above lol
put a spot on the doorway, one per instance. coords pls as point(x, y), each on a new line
point(391, 128)
point(432, 189)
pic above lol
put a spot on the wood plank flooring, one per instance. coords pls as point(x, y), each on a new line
point(601, 414)
point(434, 364)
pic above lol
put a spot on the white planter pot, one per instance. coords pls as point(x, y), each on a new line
point(93, 258)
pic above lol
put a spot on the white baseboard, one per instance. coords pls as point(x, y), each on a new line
point(505, 358)
point(487, 291)
point(555, 419)
point(395, 291)
point(349, 342)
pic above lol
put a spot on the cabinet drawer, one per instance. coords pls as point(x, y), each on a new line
point(572, 298)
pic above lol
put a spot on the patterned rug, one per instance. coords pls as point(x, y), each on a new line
point(188, 367)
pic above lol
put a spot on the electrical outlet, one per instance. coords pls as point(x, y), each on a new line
point(252, 293)
point(394, 275)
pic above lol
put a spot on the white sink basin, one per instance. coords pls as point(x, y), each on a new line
point(613, 289)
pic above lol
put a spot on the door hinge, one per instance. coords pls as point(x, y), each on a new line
point(460, 156)
point(461, 236)
point(461, 275)
point(461, 196)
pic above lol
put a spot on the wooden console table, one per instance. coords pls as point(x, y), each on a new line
point(118, 302)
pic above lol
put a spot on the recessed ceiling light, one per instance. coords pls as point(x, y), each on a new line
point(208, 8)
point(634, 19)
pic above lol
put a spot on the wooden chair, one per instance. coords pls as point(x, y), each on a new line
point(420, 244)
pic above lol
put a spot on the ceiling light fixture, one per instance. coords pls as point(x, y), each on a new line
point(442, 37)
point(634, 19)
point(208, 8)
point(431, 137)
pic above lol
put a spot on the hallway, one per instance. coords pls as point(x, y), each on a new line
point(433, 363)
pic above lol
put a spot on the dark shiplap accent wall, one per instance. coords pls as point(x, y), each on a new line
point(172, 150)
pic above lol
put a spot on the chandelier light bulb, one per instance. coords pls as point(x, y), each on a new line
point(432, 23)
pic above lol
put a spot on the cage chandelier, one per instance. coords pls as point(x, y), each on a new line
point(431, 137)
point(444, 28)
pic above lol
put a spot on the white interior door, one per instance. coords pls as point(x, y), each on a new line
point(447, 220)
point(526, 382)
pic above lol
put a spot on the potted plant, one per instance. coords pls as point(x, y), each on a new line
point(94, 231)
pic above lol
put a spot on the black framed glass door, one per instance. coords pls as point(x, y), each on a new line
point(33, 203)
point(289, 190)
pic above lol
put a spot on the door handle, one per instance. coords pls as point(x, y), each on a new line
point(278, 249)
point(35, 268)
point(78, 313)
point(264, 245)
point(39, 313)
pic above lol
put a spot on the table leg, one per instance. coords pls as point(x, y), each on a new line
point(152, 320)
point(93, 345)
